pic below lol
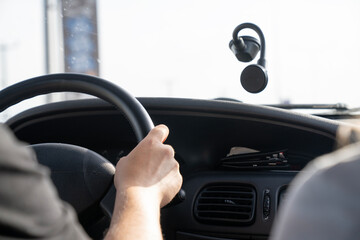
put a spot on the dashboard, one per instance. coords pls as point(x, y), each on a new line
point(237, 159)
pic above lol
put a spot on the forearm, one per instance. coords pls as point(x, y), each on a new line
point(147, 179)
point(136, 216)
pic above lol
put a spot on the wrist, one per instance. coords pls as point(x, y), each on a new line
point(136, 212)
point(141, 197)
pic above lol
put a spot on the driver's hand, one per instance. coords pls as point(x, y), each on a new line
point(150, 170)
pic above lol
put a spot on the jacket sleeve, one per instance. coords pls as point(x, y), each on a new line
point(29, 204)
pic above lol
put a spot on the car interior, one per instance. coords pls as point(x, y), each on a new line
point(237, 159)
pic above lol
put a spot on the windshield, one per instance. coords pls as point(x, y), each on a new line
point(163, 48)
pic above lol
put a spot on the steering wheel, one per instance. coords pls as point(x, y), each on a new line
point(83, 178)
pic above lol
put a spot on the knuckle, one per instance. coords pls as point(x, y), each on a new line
point(121, 161)
point(150, 142)
point(155, 130)
point(176, 170)
point(169, 151)
point(176, 165)
point(180, 180)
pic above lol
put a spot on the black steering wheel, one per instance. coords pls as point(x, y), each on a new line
point(88, 178)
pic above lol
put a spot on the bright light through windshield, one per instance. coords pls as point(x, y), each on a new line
point(164, 48)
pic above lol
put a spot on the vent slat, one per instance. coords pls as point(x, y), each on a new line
point(226, 212)
point(228, 194)
point(238, 193)
point(226, 204)
point(219, 200)
point(227, 197)
point(227, 191)
point(228, 216)
point(227, 222)
point(228, 188)
point(202, 205)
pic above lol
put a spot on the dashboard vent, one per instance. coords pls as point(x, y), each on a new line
point(226, 204)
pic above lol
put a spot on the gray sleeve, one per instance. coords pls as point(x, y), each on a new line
point(29, 204)
point(323, 200)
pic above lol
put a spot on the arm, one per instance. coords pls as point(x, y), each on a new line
point(146, 180)
point(29, 205)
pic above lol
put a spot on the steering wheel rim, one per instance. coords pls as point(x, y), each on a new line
point(136, 114)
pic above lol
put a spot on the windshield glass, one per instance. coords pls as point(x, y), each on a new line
point(164, 48)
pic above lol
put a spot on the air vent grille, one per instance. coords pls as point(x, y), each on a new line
point(226, 204)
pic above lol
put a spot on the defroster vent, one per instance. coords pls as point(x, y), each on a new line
point(226, 204)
